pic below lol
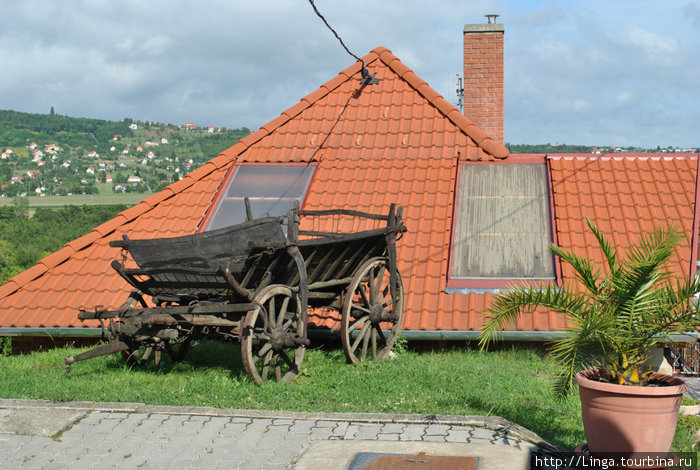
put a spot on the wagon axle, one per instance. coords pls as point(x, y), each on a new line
point(279, 340)
point(378, 315)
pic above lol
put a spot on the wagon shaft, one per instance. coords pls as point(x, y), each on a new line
point(109, 348)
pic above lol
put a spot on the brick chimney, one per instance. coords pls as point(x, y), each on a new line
point(483, 76)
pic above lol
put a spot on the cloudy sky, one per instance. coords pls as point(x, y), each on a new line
point(595, 72)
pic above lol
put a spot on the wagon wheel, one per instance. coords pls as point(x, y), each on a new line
point(371, 316)
point(271, 344)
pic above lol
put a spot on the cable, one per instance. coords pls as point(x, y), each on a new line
point(336, 34)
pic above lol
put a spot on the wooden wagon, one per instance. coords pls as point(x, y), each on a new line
point(255, 283)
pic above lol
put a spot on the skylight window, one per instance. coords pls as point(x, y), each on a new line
point(271, 190)
point(502, 226)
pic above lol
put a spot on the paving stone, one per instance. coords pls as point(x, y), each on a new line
point(286, 453)
point(322, 423)
point(320, 433)
point(351, 432)
point(340, 429)
point(393, 428)
point(302, 425)
point(368, 431)
point(476, 440)
point(436, 429)
point(190, 428)
point(134, 419)
point(387, 437)
point(278, 429)
point(412, 432)
point(38, 460)
point(208, 460)
point(239, 419)
point(482, 433)
point(174, 421)
point(233, 429)
point(255, 462)
point(259, 425)
point(434, 438)
point(114, 415)
point(458, 435)
point(282, 422)
point(70, 453)
point(104, 426)
point(248, 440)
point(199, 418)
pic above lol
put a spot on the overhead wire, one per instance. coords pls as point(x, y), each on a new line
point(318, 13)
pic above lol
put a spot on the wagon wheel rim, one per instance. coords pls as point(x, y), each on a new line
point(278, 314)
point(365, 336)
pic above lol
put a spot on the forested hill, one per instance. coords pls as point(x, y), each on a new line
point(50, 154)
point(18, 129)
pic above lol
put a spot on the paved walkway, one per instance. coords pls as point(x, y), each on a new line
point(83, 435)
point(38, 434)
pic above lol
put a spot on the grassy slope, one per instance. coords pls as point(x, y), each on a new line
point(514, 384)
point(128, 199)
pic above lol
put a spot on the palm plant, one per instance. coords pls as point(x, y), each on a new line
point(616, 316)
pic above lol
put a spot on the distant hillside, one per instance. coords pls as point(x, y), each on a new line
point(564, 148)
point(50, 154)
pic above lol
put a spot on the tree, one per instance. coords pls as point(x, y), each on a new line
point(21, 207)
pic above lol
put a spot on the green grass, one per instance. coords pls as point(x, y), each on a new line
point(514, 384)
point(128, 199)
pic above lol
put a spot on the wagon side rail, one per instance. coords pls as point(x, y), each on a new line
point(338, 224)
point(343, 239)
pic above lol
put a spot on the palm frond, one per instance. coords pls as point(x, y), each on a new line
point(605, 246)
point(579, 349)
point(584, 270)
point(508, 305)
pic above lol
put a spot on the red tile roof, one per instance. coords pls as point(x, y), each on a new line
point(625, 196)
point(398, 141)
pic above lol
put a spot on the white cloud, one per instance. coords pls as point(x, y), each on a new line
point(575, 73)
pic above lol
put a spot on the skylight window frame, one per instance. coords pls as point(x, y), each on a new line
point(230, 177)
point(480, 285)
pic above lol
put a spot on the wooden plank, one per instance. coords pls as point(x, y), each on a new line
point(365, 215)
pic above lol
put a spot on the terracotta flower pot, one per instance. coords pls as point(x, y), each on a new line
point(628, 419)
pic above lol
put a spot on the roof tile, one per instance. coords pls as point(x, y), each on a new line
point(110, 226)
point(56, 258)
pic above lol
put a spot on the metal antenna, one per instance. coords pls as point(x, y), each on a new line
point(460, 94)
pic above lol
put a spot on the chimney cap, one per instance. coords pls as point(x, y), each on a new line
point(490, 27)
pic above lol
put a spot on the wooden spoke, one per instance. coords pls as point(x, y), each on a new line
point(361, 336)
point(361, 308)
point(371, 314)
point(359, 322)
point(263, 350)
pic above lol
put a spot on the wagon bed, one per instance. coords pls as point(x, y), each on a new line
point(254, 283)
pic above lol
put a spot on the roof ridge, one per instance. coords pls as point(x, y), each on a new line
point(467, 126)
point(622, 156)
